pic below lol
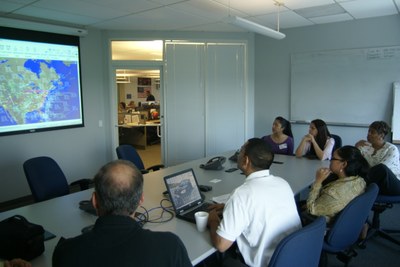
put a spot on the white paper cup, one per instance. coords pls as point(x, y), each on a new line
point(201, 220)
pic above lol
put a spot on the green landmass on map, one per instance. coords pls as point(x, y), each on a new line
point(21, 90)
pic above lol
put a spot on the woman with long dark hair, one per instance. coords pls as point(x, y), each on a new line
point(281, 139)
point(318, 143)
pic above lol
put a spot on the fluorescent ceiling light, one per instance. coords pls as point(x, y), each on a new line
point(123, 79)
point(254, 27)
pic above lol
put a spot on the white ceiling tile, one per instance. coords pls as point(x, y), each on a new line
point(297, 4)
point(370, 8)
point(18, 2)
point(6, 7)
point(204, 8)
point(78, 7)
point(250, 7)
point(56, 16)
point(164, 18)
point(320, 11)
point(166, 2)
point(291, 19)
point(215, 27)
point(330, 19)
point(124, 5)
point(197, 15)
point(287, 19)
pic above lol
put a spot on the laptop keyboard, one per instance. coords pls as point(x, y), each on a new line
point(202, 207)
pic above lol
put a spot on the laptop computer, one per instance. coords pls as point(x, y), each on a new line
point(185, 195)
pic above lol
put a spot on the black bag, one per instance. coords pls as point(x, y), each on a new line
point(20, 239)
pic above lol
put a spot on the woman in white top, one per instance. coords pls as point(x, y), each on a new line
point(383, 158)
point(318, 143)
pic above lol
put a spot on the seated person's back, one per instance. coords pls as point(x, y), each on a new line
point(118, 241)
point(116, 238)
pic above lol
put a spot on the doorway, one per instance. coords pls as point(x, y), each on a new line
point(138, 114)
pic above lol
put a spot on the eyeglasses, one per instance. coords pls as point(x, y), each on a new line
point(337, 159)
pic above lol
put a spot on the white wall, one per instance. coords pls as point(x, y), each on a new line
point(272, 67)
point(79, 151)
point(82, 151)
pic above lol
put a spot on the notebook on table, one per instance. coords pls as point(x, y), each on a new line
point(185, 195)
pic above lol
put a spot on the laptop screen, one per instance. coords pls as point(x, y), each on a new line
point(183, 189)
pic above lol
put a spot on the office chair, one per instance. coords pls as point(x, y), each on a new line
point(345, 230)
point(301, 248)
point(46, 179)
point(338, 142)
point(128, 152)
point(382, 203)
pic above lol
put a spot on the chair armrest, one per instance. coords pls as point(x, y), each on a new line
point(155, 167)
point(83, 183)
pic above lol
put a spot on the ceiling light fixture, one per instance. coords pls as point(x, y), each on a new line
point(258, 28)
point(123, 79)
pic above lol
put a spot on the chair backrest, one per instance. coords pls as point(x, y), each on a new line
point(45, 178)
point(387, 199)
point(349, 222)
point(338, 142)
point(302, 247)
point(128, 152)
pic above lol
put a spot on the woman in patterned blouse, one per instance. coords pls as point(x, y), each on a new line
point(328, 198)
point(383, 158)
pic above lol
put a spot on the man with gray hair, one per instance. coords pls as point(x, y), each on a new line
point(116, 238)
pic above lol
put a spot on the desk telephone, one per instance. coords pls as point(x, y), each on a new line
point(235, 156)
point(214, 163)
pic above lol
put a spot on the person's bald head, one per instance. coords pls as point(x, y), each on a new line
point(118, 188)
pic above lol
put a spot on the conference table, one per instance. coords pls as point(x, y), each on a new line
point(62, 216)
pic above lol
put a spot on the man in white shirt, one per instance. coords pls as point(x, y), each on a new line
point(259, 213)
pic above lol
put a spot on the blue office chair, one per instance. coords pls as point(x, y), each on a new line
point(128, 152)
point(382, 203)
point(338, 142)
point(343, 235)
point(46, 179)
point(301, 248)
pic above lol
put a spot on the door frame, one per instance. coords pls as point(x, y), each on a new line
point(114, 98)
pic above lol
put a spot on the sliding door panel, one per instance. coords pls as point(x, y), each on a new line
point(225, 97)
point(184, 102)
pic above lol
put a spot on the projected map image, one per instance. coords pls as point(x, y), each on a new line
point(36, 91)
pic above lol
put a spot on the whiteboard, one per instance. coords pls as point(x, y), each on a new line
point(396, 113)
point(352, 86)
